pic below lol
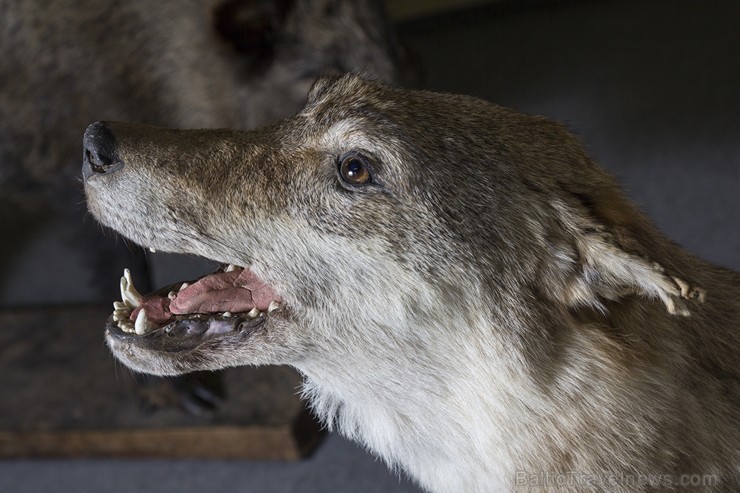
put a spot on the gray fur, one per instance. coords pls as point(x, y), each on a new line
point(491, 305)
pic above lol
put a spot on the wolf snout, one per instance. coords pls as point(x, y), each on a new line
point(99, 151)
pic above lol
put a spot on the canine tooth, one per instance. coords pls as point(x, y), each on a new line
point(123, 285)
point(230, 267)
point(184, 285)
point(143, 325)
point(128, 299)
point(140, 324)
point(172, 295)
point(253, 313)
point(273, 306)
point(152, 250)
point(131, 297)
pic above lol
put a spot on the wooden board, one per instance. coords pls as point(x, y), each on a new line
point(62, 394)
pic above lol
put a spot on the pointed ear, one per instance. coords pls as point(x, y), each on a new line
point(607, 250)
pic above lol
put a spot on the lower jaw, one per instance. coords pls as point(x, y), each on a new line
point(187, 332)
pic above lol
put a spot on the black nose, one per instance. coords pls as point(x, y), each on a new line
point(99, 156)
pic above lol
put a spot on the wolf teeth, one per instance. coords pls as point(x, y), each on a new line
point(230, 268)
point(119, 315)
point(226, 314)
point(183, 286)
point(153, 250)
point(121, 312)
point(172, 295)
point(126, 325)
point(273, 306)
point(131, 297)
point(140, 324)
point(143, 325)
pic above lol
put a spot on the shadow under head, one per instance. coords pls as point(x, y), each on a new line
point(399, 247)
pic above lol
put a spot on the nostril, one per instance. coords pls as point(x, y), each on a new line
point(99, 154)
point(98, 163)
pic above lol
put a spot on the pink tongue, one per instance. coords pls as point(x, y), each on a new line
point(157, 309)
point(236, 291)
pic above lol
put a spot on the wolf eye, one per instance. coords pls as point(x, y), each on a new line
point(354, 170)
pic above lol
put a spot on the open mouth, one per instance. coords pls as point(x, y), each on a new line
point(231, 300)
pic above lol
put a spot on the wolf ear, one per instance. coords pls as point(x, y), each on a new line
point(608, 251)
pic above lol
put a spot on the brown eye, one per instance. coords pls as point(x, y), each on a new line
point(354, 170)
